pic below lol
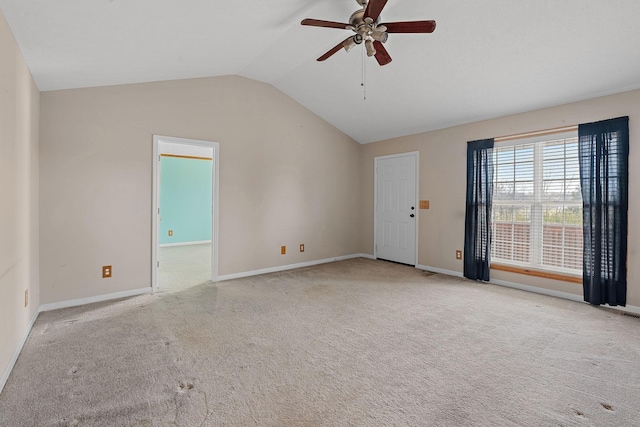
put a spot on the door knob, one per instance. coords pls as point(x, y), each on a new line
point(412, 215)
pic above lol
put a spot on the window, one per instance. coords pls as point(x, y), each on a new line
point(537, 204)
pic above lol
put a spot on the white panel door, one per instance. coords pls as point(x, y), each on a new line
point(396, 211)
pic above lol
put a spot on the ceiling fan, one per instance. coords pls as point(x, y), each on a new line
point(365, 23)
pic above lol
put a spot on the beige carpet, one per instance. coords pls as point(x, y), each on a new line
point(358, 342)
point(183, 266)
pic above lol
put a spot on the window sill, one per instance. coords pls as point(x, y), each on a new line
point(537, 273)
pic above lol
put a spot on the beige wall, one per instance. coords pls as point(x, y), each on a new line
point(443, 174)
point(286, 177)
point(19, 106)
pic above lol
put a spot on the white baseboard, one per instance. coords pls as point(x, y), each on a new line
point(16, 353)
point(628, 309)
point(565, 295)
point(90, 300)
point(289, 267)
point(199, 242)
point(536, 290)
point(439, 270)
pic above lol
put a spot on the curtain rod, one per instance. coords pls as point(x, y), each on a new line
point(536, 133)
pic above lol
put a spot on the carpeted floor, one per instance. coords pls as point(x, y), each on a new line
point(183, 266)
point(357, 342)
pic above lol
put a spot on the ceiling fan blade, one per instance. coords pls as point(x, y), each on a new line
point(325, 24)
point(333, 50)
point(411, 27)
point(382, 56)
point(374, 8)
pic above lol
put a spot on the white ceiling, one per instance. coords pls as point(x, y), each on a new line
point(486, 58)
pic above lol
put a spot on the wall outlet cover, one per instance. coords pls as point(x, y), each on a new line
point(106, 271)
point(301, 247)
point(283, 250)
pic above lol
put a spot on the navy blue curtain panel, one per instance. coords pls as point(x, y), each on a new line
point(604, 179)
point(477, 224)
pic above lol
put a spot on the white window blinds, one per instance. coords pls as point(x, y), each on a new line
point(537, 205)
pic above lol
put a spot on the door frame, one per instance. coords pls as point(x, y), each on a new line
point(416, 156)
point(215, 176)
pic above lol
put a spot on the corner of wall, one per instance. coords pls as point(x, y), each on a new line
point(19, 203)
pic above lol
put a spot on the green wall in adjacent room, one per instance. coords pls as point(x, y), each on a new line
point(185, 200)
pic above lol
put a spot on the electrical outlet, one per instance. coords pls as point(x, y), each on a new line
point(301, 247)
point(106, 271)
point(283, 250)
point(170, 233)
point(26, 297)
point(458, 254)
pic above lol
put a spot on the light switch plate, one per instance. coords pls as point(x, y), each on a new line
point(424, 204)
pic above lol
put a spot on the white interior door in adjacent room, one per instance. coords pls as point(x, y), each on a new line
point(396, 210)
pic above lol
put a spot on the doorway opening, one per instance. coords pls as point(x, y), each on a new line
point(396, 210)
point(184, 212)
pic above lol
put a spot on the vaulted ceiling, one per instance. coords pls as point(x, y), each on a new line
point(485, 59)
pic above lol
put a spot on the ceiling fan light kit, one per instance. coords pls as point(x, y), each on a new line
point(371, 50)
point(365, 23)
